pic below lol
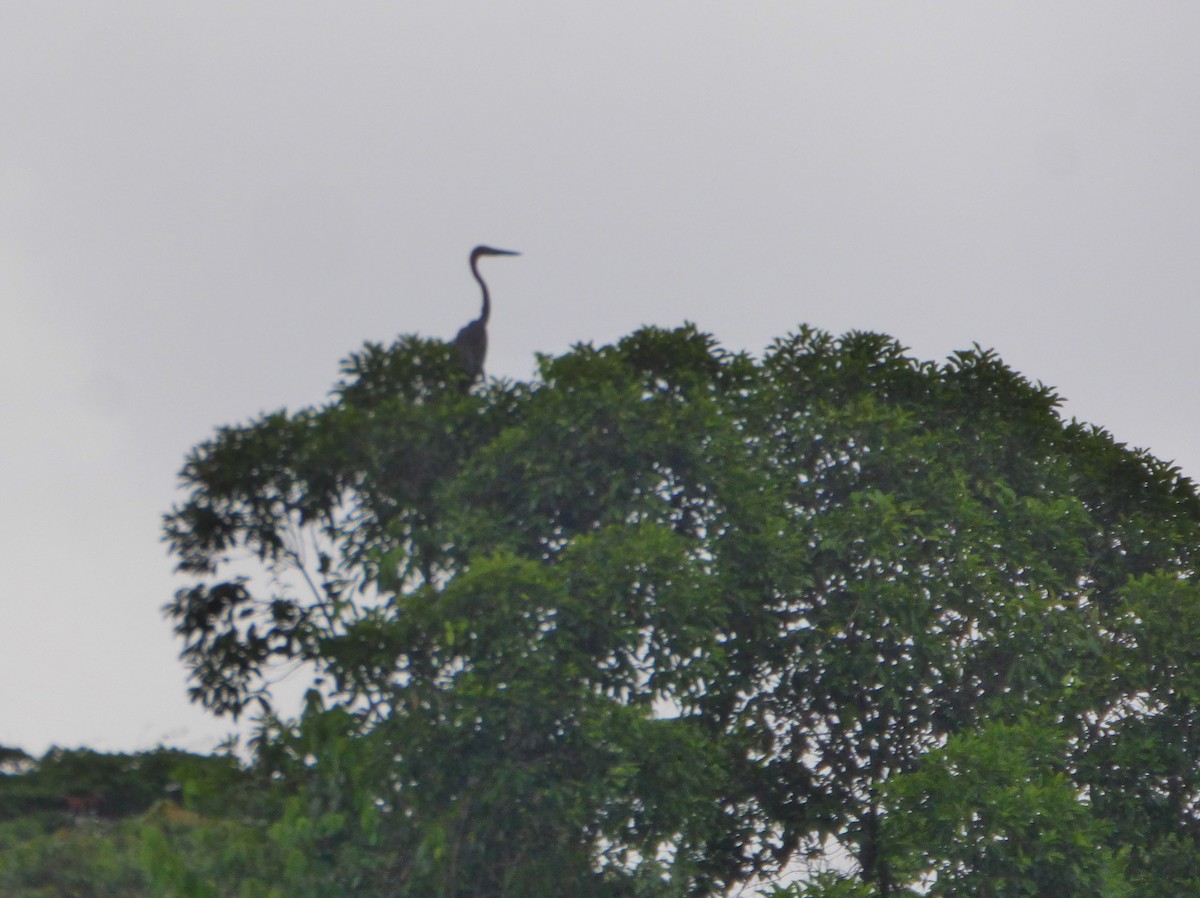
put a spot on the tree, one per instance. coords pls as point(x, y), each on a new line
point(667, 619)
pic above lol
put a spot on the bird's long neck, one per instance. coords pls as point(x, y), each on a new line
point(487, 303)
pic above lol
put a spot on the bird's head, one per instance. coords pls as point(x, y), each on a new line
point(480, 251)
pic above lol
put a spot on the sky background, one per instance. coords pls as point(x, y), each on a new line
point(204, 206)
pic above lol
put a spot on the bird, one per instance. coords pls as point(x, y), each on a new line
point(472, 338)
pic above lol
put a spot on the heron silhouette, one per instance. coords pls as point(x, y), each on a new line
point(472, 338)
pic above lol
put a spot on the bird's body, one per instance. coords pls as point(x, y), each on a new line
point(472, 347)
point(472, 338)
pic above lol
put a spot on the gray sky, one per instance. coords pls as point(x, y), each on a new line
point(205, 205)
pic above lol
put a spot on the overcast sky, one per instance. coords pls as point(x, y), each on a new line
point(205, 205)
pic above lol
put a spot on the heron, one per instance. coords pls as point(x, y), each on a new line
point(472, 339)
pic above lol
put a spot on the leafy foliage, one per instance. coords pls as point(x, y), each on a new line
point(669, 619)
point(74, 822)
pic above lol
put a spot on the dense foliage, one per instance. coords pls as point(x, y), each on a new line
point(670, 619)
point(73, 823)
point(667, 620)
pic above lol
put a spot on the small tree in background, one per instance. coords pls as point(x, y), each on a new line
point(668, 619)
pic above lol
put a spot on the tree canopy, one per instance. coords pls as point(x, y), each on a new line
point(667, 619)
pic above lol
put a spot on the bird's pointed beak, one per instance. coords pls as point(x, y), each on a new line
point(479, 251)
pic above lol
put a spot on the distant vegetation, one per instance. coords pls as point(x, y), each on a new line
point(72, 823)
point(665, 621)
